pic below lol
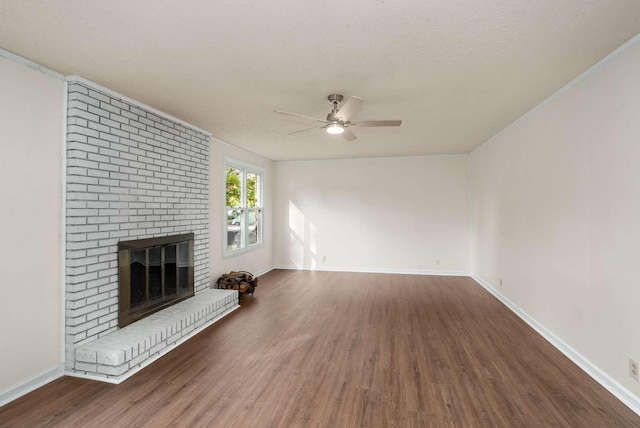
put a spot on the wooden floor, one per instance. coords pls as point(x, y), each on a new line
point(323, 349)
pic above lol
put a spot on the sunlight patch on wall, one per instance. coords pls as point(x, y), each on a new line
point(311, 258)
point(296, 235)
point(302, 239)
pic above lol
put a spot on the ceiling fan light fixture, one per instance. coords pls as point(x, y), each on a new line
point(335, 128)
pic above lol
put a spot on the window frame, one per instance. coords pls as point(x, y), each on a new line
point(245, 169)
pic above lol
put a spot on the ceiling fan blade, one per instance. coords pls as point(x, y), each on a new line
point(305, 130)
point(368, 123)
point(348, 135)
point(349, 108)
point(301, 116)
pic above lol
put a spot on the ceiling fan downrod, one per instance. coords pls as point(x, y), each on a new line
point(335, 99)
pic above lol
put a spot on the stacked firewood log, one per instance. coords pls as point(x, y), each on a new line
point(242, 281)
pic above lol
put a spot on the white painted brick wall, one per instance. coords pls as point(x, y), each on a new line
point(130, 175)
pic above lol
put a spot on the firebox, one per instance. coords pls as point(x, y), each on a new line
point(153, 274)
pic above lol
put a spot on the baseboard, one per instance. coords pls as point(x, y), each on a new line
point(610, 384)
point(31, 384)
point(374, 270)
point(264, 271)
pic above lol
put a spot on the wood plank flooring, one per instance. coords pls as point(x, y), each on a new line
point(326, 349)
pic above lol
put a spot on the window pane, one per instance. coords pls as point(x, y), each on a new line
point(234, 229)
point(253, 192)
point(234, 187)
point(254, 226)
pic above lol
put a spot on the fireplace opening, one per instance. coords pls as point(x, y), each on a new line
point(153, 274)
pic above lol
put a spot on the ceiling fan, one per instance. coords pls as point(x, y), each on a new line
point(337, 121)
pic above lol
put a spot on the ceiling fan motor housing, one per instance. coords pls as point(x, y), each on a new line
point(334, 118)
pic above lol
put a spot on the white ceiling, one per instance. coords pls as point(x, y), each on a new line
point(455, 71)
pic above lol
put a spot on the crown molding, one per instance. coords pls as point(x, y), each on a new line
point(28, 63)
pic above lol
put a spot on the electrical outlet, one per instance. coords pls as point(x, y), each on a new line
point(436, 262)
point(633, 368)
point(324, 258)
point(500, 282)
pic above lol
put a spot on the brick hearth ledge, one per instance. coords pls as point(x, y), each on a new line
point(122, 353)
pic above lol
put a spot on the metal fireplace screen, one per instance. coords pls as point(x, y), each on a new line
point(153, 274)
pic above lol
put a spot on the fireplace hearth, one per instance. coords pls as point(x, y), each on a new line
point(153, 274)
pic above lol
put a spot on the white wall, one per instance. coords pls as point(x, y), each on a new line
point(556, 215)
point(387, 214)
point(31, 143)
point(256, 261)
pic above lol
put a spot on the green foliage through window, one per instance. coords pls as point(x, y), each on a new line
point(234, 187)
point(252, 185)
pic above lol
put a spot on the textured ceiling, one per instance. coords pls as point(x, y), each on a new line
point(455, 71)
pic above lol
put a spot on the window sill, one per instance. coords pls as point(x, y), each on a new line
point(230, 254)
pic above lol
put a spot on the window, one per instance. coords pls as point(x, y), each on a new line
point(243, 207)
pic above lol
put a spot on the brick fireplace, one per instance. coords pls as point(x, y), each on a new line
point(132, 173)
